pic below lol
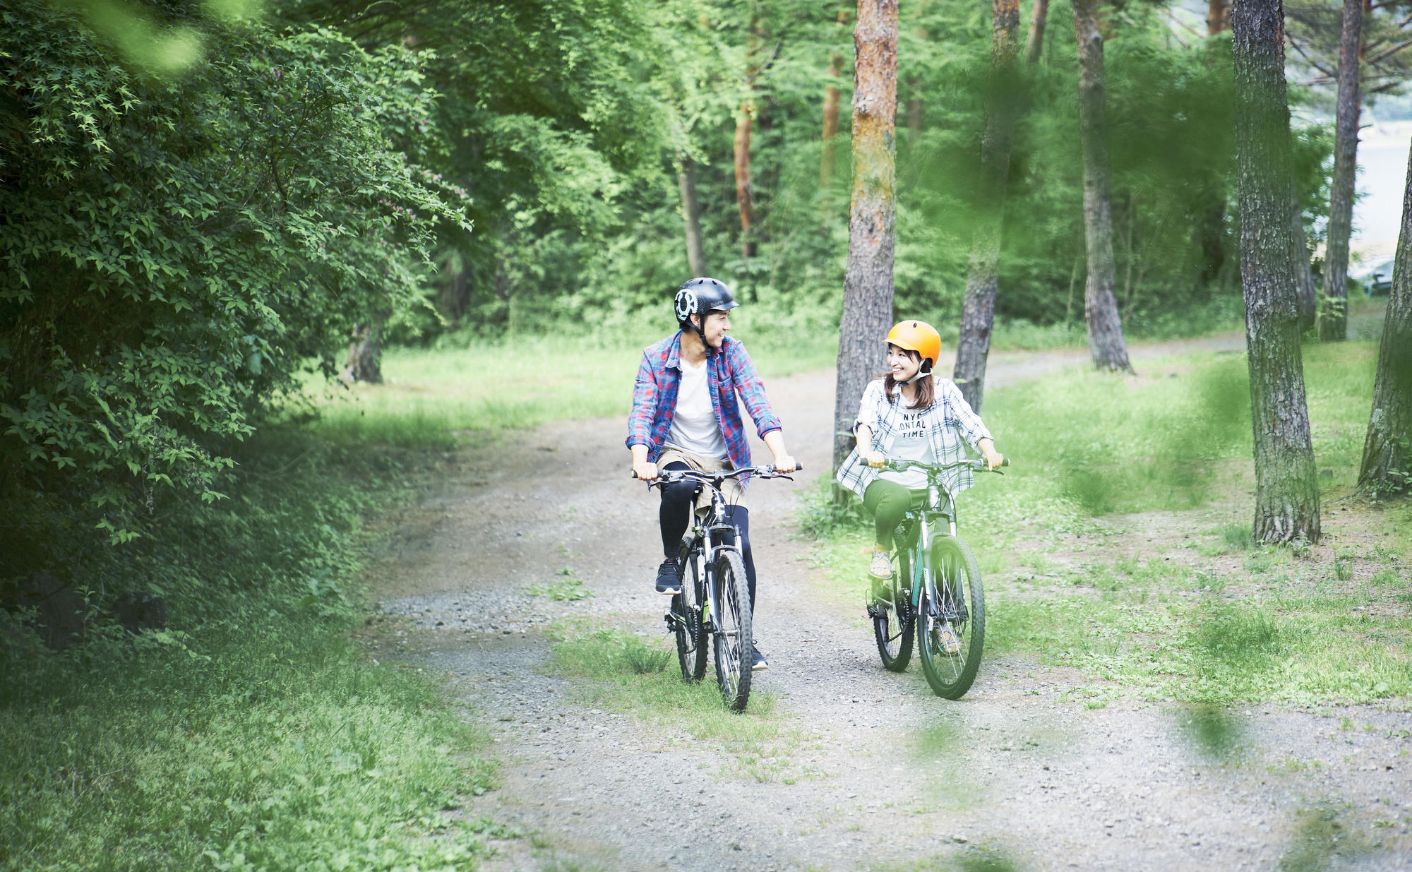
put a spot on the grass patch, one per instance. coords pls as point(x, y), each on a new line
point(566, 587)
point(639, 676)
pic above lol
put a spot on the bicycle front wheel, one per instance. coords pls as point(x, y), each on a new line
point(892, 620)
point(689, 628)
point(951, 629)
point(732, 629)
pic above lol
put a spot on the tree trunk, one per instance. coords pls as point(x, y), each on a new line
point(978, 307)
point(867, 285)
point(1333, 314)
point(1286, 489)
point(1218, 16)
point(1105, 328)
point(1034, 46)
point(691, 215)
point(743, 122)
point(363, 362)
point(1305, 294)
point(831, 99)
point(1387, 451)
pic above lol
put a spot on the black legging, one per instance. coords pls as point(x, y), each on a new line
point(675, 514)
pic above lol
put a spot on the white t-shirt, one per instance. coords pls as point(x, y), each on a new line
point(910, 443)
point(694, 426)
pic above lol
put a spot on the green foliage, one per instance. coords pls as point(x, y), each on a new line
point(177, 250)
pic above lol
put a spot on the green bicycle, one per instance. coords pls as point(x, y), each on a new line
point(935, 590)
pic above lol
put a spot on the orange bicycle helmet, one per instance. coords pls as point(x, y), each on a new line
point(918, 336)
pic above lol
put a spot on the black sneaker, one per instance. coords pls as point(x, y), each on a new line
point(757, 660)
point(668, 581)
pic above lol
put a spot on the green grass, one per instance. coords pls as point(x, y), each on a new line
point(628, 673)
point(270, 744)
point(1119, 542)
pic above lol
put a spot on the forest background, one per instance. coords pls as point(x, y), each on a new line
point(213, 215)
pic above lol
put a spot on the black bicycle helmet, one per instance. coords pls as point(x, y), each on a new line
point(701, 296)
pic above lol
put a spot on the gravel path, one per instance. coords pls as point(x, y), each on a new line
point(876, 773)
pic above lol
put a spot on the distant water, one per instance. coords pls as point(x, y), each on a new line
point(1382, 174)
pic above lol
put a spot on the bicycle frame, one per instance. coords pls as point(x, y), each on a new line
point(925, 514)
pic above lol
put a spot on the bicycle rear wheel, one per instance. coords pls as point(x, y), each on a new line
point(951, 631)
point(892, 621)
point(688, 626)
point(731, 632)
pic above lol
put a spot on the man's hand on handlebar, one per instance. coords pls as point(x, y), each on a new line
point(785, 464)
point(645, 470)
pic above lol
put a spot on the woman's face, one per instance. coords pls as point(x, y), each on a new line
point(902, 364)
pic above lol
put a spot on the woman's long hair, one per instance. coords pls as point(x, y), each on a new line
point(926, 387)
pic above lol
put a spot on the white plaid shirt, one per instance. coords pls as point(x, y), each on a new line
point(949, 420)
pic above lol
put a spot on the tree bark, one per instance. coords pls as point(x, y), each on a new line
point(363, 363)
point(1387, 450)
point(831, 100)
point(691, 215)
point(1105, 328)
point(743, 122)
point(982, 280)
point(1034, 45)
point(1305, 293)
point(1218, 16)
point(867, 286)
point(1286, 488)
point(1333, 314)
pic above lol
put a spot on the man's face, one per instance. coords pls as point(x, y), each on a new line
point(717, 325)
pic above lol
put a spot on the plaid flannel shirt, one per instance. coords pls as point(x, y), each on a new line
point(728, 371)
point(949, 420)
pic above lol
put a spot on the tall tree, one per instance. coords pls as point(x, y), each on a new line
point(744, 124)
point(1286, 495)
point(1105, 328)
point(1034, 44)
point(691, 216)
point(1333, 318)
point(1387, 451)
point(867, 285)
point(978, 307)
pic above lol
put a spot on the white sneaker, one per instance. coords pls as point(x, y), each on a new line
point(881, 565)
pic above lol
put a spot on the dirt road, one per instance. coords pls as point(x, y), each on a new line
point(876, 772)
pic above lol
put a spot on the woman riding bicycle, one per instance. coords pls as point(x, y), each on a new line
point(909, 414)
point(685, 416)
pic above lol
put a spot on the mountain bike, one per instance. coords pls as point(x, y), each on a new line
point(935, 590)
point(714, 604)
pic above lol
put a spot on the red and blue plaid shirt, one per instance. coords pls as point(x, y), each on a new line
point(728, 371)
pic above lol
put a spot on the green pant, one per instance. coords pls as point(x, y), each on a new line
point(888, 501)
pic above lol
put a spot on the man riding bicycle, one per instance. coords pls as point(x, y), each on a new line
point(685, 415)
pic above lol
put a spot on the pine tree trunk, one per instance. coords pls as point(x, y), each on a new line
point(363, 363)
point(1333, 315)
point(1105, 329)
point(1306, 295)
point(831, 101)
point(1387, 451)
point(1034, 46)
point(867, 286)
point(982, 280)
point(691, 216)
point(1286, 489)
point(1218, 16)
point(743, 122)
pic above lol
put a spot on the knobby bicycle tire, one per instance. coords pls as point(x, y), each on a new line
point(731, 629)
point(690, 629)
point(960, 610)
point(893, 621)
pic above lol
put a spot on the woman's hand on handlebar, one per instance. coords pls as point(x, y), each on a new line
point(875, 459)
point(994, 460)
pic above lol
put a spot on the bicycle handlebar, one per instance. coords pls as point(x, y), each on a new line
point(977, 465)
point(671, 476)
